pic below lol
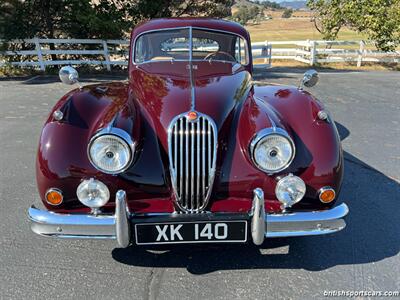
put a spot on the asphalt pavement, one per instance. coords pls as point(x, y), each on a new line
point(363, 257)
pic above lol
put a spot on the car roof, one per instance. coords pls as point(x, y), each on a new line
point(206, 23)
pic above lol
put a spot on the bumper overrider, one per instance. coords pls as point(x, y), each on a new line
point(120, 226)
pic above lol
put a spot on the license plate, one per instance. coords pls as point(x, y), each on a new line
point(191, 232)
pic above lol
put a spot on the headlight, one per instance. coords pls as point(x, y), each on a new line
point(290, 190)
point(93, 193)
point(111, 152)
point(272, 150)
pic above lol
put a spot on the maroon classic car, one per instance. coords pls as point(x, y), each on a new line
point(189, 149)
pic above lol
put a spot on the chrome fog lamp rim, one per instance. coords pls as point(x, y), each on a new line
point(261, 136)
point(301, 187)
point(122, 134)
point(101, 188)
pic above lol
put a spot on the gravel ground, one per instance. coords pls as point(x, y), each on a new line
point(365, 256)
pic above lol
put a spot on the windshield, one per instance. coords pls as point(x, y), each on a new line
point(174, 44)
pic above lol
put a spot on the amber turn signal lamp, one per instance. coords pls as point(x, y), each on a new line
point(54, 197)
point(327, 194)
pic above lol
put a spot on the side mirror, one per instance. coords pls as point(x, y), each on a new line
point(68, 75)
point(310, 78)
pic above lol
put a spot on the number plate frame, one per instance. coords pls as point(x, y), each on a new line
point(187, 232)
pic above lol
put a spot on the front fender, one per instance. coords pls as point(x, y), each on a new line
point(319, 157)
point(61, 158)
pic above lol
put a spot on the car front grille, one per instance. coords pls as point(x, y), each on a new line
point(192, 155)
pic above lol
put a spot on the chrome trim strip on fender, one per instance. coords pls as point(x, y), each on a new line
point(192, 91)
point(273, 124)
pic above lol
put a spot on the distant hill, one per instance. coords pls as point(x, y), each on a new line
point(259, 3)
point(245, 2)
point(294, 4)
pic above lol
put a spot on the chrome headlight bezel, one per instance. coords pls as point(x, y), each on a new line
point(264, 134)
point(124, 137)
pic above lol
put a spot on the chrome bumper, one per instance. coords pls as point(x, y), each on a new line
point(117, 226)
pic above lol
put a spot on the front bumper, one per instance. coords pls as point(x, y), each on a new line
point(117, 226)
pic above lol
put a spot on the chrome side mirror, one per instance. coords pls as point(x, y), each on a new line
point(310, 78)
point(68, 75)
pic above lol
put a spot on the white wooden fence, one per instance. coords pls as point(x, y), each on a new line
point(312, 52)
point(40, 53)
point(115, 52)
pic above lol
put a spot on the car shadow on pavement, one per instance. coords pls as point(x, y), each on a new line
point(372, 234)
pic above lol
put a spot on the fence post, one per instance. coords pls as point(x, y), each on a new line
point(313, 53)
point(39, 54)
point(264, 52)
point(106, 55)
point(270, 54)
point(360, 54)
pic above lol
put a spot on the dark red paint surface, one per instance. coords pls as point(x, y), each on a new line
point(145, 106)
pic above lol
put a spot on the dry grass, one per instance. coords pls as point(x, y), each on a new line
point(292, 29)
point(302, 14)
point(277, 13)
point(279, 29)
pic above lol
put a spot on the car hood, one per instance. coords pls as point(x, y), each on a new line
point(162, 91)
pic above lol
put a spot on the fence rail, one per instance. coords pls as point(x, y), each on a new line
point(38, 52)
point(319, 51)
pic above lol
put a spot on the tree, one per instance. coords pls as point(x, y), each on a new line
point(268, 4)
point(245, 14)
point(378, 19)
point(61, 18)
point(242, 15)
point(140, 10)
point(95, 19)
point(273, 5)
point(287, 13)
point(254, 11)
point(102, 19)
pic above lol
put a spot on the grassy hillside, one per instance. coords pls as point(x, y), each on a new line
point(278, 29)
point(298, 27)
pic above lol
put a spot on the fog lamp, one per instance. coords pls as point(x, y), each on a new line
point(93, 193)
point(290, 190)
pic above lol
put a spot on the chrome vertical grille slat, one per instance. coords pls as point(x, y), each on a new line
point(180, 137)
point(203, 162)
point(192, 167)
point(192, 152)
point(186, 135)
point(209, 145)
point(198, 133)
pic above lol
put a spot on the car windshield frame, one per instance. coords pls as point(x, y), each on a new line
point(190, 38)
